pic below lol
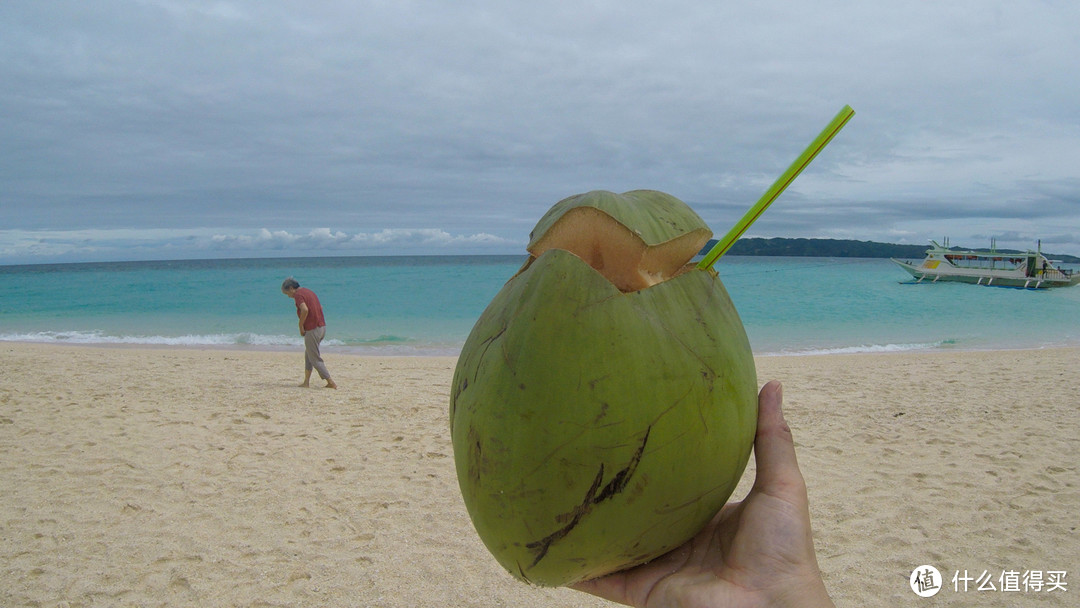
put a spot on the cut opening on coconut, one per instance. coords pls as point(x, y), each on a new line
point(616, 251)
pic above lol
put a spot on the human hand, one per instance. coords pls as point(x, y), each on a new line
point(758, 552)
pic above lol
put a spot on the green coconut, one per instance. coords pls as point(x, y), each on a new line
point(604, 406)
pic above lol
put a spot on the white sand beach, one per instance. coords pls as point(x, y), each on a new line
point(185, 477)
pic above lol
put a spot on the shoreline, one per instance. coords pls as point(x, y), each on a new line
point(437, 352)
point(204, 476)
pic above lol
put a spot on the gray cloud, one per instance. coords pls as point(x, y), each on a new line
point(19, 246)
point(472, 117)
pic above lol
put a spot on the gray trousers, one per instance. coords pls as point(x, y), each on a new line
point(312, 358)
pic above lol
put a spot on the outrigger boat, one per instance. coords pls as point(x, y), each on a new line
point(1029, 270)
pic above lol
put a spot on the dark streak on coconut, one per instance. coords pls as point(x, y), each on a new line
point(593, 497)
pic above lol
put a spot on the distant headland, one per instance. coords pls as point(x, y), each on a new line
point(840, 248)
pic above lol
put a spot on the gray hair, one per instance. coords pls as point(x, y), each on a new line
point(289, 283)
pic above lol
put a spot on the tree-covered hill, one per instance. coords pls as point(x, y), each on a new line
point(839, 248)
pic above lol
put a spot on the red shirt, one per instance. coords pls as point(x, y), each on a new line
point(315, 314)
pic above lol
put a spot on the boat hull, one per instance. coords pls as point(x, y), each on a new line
point(922, 274)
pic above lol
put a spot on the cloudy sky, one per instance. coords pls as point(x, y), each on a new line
point(154, 129)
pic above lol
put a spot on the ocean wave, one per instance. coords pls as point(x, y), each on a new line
point(380, 340)
point(99, 337)
point(869, 349)
point(230, 339)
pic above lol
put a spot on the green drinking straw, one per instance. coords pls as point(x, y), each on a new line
point(778, 186)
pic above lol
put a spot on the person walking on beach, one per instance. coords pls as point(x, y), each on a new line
point(312, 327)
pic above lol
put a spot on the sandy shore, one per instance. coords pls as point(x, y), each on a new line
point(169, 477)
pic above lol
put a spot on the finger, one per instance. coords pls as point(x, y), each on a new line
point(774, 446)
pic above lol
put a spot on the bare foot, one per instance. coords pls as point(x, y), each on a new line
point(330, 384)
point(304, 385)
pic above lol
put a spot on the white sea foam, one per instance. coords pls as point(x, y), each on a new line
point(866, 348)
point(383, 345)
point(99, 337)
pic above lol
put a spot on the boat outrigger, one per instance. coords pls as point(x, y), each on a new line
point(1028, 270)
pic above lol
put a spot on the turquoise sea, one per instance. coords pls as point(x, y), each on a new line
point(427, 305)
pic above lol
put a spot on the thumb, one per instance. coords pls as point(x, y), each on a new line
point(774, 446)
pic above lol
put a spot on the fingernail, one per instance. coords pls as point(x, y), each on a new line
point(775, 388)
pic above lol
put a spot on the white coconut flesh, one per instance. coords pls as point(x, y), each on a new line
point(617, 252)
